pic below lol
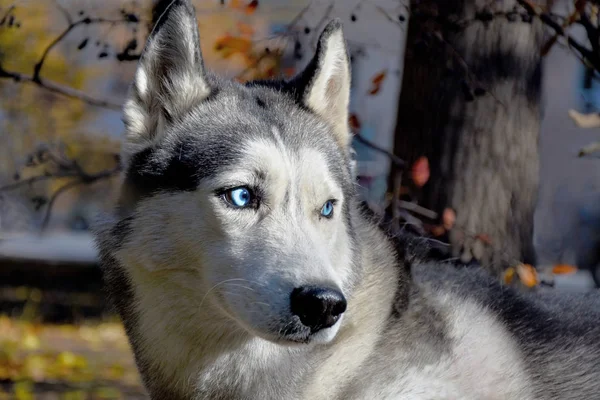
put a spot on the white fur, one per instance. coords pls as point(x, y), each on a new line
point(329, 94)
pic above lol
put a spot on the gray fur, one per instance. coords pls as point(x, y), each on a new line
point(203, 288)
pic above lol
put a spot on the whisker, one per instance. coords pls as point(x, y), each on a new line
point(215, 286)
point(242, 286)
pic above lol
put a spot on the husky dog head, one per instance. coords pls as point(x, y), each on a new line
point(234, 209)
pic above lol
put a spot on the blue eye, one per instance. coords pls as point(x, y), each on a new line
point(239, 197)
point(327, 210)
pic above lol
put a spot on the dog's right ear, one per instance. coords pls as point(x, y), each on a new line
point(170, 77)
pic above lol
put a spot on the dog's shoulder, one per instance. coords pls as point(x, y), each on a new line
point(554, 334)
point(542, 315)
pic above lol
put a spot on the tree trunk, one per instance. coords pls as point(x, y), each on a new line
point(471, 104)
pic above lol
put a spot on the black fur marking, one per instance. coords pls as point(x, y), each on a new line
point(180, 166)
point(121, 230)
point(260, 102)
point(150, 174)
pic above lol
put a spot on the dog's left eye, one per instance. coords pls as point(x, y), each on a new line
point(327, 209)
point(239, 197)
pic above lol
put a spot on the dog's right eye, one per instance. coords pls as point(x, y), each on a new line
point(240, 197)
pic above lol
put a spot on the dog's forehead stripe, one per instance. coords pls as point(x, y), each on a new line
point(180, 165)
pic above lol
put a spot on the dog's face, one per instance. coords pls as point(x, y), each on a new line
point(239, 194)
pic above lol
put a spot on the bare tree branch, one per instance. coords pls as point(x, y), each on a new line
point(85, 21)
point(85, 179)
point(58, 88)
point(394, 158)
point(32, 180)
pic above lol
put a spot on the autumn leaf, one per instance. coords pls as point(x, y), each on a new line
point(354, 122)
point(509, 275)
point(564, 269)
point(420, 171)
point(289, 71)
point(437, 230)
point(377, 79)
point(251, 7)
point(229, 45)
point(376, 82)
point(527, 274)
point(448, 218)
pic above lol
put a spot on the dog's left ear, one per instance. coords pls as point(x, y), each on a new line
point(170, 77)
point(325, 83)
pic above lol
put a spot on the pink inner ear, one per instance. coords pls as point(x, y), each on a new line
point(333, 88)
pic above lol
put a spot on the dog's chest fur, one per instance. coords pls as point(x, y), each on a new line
point(443, 347)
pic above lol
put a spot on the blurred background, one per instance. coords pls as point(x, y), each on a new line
point(435, 84)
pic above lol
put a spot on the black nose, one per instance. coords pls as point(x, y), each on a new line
point(317, 307)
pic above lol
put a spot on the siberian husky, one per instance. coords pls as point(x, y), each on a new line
point(243, 267)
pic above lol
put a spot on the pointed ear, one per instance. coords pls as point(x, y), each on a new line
point(325, 82)
point(169, 79)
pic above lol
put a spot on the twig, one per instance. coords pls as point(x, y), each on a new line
point(59, 89)
point(394, 158)
point(32, 180)
point(8, 11)
point(588, 55)
point(85, 179)
point(407, 205)
point(85, 21)
point(55, 196)
point(397, 186)
point(589, 149)
point(64, 12)
point(54, 87)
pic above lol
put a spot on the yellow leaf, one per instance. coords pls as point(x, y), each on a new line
point(66, 359)
point(31, 341)
point(35, 367)
point(23, 391)
point(509, 275)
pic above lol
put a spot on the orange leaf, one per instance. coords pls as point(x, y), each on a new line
point(377, 81)
point(420, 171)
point(251, 7)
point(509, 275)
point(270, 72)
point(527, 275)
point(437, 230)
point(289, 71)
point(564, 269)
point(229, 45)
point(354, 122)
point(448, 218)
